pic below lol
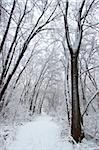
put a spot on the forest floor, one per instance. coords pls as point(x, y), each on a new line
point(41, 133)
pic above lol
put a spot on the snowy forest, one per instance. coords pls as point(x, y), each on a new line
point(49, 74)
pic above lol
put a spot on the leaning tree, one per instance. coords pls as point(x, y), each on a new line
point(21, 31)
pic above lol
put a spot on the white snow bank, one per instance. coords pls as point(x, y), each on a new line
point(41, 134)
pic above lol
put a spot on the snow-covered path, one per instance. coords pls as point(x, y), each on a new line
point(40, 134)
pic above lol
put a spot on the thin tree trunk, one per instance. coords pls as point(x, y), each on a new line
point(66, 97)
point(8, 26)
point(76, 130)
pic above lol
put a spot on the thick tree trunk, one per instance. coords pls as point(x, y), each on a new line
point(76, 130)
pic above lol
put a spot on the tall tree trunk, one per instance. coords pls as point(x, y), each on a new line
point(76, 130)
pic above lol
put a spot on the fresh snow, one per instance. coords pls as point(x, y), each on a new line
point(40, 134)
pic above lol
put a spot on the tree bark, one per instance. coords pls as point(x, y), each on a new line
point(76, 130)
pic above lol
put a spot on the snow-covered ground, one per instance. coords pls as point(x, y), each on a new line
point(42, 133)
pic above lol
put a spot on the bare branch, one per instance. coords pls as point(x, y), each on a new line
point(93, 97)
point(87, 11)
point(88, 69)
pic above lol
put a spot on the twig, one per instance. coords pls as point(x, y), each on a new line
point(90, 102)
